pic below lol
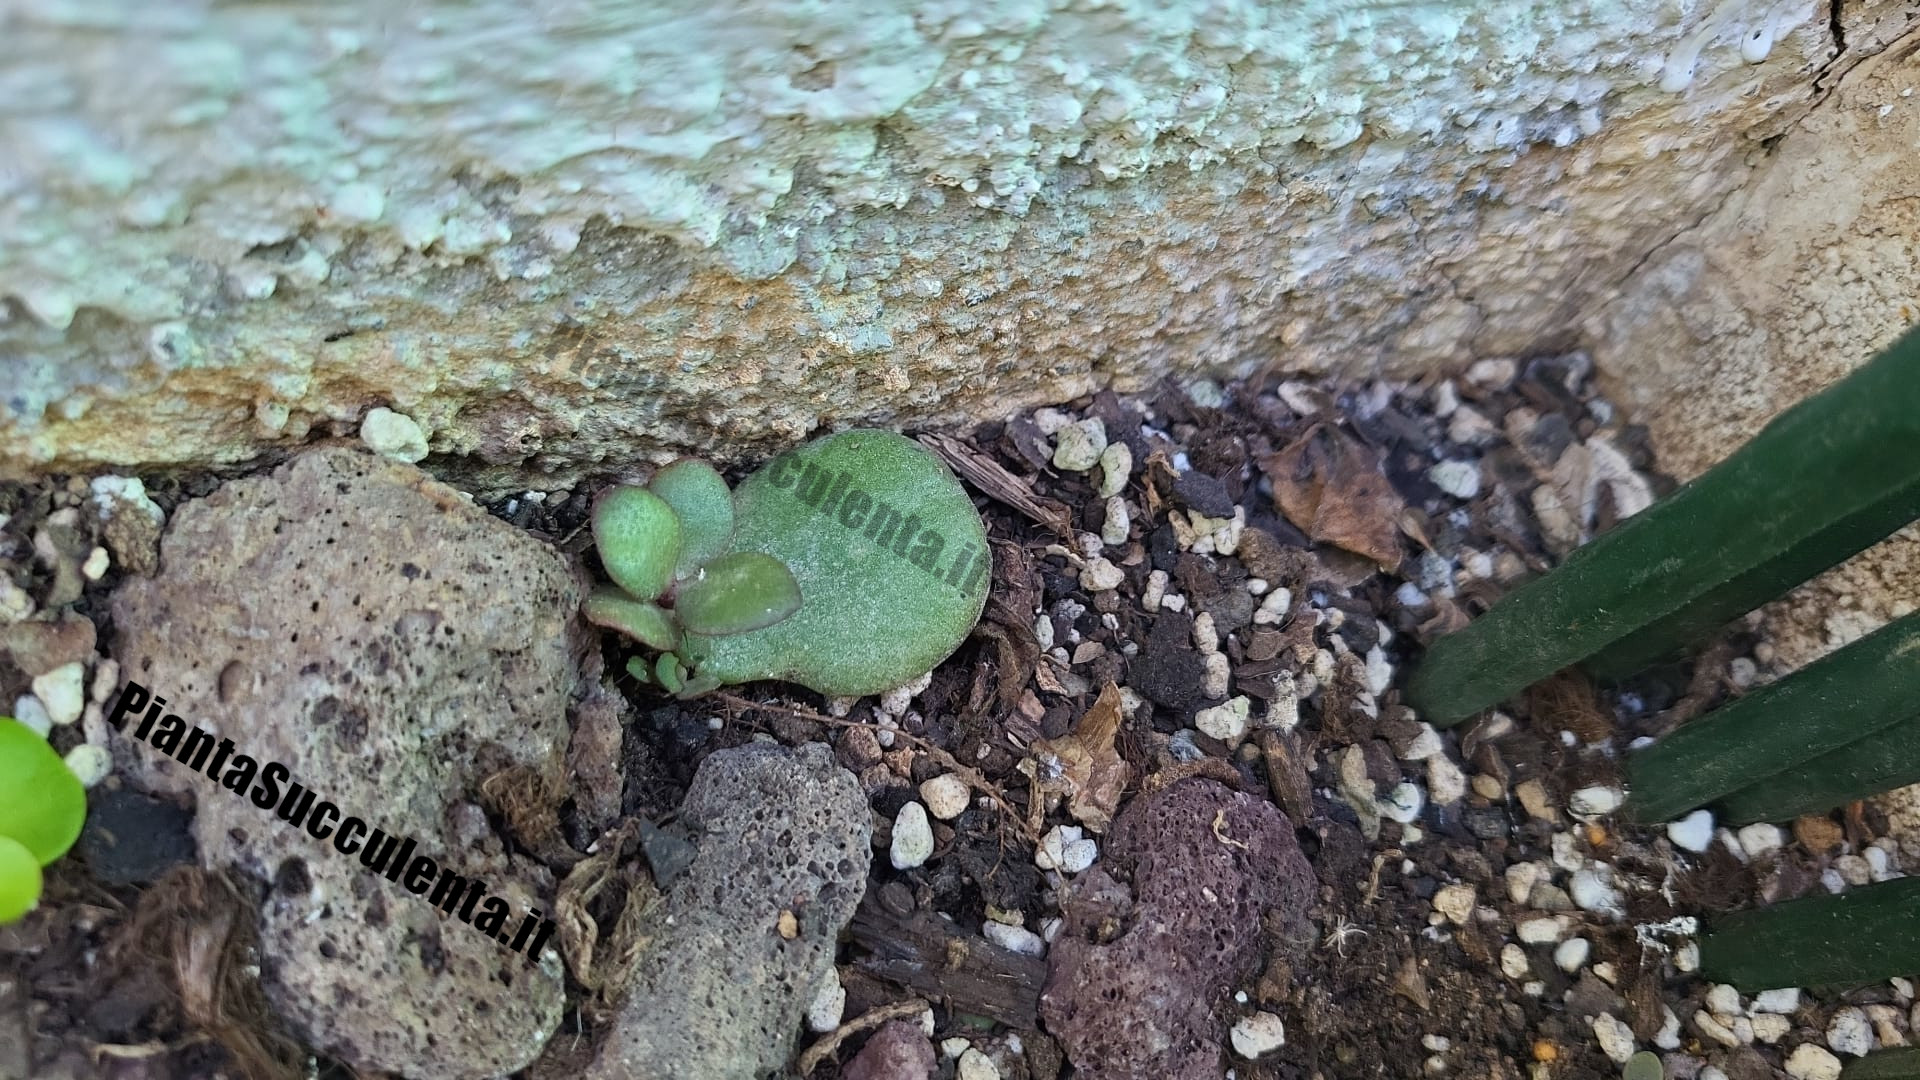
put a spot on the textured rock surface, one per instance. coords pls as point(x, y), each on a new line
point(720, 992)
point(583, 233)
point(896, 1051)
point(1142, 1007)
point(385, 639)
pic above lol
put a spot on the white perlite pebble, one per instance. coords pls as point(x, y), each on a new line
point(1596, 801)
point(1379, 671)
point(912, 837)
point(1219, 676)
point(1572, 954)
point(1850, 1033)
point(1543, 930)
point(1783, 1002)
point(975, 1065)
point(1066, 848)
point(1592, 890)
point(1114, 531)
point(1723, 999)
point(829, 1002)
point(1227, 723)
point(1116, 463)
point(1692, 833)
point(946, 796)
point(1460, 479)
point(1712, 1028)
point(89, 764)
point(1446, 784)
point(1078, 446)
point(1615, 1038)
point(1668, 1037)
point(1810, 1062)
point(1261, 1033)
point(1014, 938)
point(96, 565)
point(1403, 803)
point(1424, 745)
point(1760, 839)
point(1711, 1072)
point(1101, 575)
point(1521, 877)
point(15, 603)
point(63, 691)
point(1274, 608)
point(1513, 962)
point(1283, 711)
point(1455, 902)
point(28, 710)
point(1770, 1028)
point(1686, 958)
point(393, 435)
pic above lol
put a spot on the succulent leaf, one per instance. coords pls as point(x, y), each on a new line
point(735, 593)
point(701, 501)
point(42, 804)
point(639, 539)
point(640, 620)
point(669, 673)
point(888, 551)
point(19, 880)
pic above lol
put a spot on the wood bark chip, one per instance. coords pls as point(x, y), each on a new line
point(992, 478)
point(1335, 489)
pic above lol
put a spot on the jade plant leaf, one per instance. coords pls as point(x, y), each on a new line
point(42, 804)
point(641, 620)
point(19, 880)
point(700, 499)
point(736, 593)
point(889, 554)
point(639, 539)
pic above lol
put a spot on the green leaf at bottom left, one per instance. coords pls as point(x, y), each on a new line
point(19, 880)
point(42, 804)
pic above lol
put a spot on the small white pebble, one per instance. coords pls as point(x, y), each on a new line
point(1455, 902)
point(912, 837)
point(1713, 1029)
point(1810, 1062)
point(1615, 1038)
point(1424, 745)
point(1446, 784)
point(1078, 446)
point(1379, 671)
point(1403, 803)
point(1592, 890)
point(1668, 1037)
point(1710, 1072)
point(1850, 1033)
point(63, 692)
point(1692, 833)
point(33, 715)
point(1274, 608)
point(1596, 801)
point(1543, 930)
point(1686, 958)
point(1261, 1033)
point(975, 1065)
point(1116, 464)
point(1173, 602)
point(1783, 1002)
point(89, 764)
point(946, 796)
point(829, 1002)
point(1513, 962)
point(1227, 723)
point(1155, 590)
point(96, 565)
point(393, 435)
point(1219, 676)
point(1723, 999)
point(1760, 839)
point(1101, 575)
point(1460, 479)
point(1205, 637)
point(1439, 1044)
point(1114, 531)
point(1571, 954)
point(1014, 938)
point(1770, 1028)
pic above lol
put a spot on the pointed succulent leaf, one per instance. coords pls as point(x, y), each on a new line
point(639, 539)
point(890, 556)
point(19, 880)
point(42, 804)
point(644, 622)
point(701, 501)
point(697, 685)
point(737, 593)
point(1861, 936)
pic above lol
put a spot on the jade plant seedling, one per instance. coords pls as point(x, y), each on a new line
point(850, 565)
point(42, 806)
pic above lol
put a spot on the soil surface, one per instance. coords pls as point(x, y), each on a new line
point(1128, 656)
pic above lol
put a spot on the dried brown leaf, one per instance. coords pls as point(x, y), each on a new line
point(1092, 774)
point(1335, 489)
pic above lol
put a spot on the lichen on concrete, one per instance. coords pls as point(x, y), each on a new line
point(564, 237)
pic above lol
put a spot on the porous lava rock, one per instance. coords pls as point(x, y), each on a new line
point(393, 646)
point(1206, 864)
point(897, 1051)
point(740, 939)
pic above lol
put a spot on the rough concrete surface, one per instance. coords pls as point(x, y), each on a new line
point(391, 644)
point(566, 235)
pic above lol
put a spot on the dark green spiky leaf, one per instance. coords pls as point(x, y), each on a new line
point(638, 619)
point(42, 804)
point(735, 593)
point(1900, 1064)
point(890, 556)
point(1824, 480)
point(1832, 703)
point(700, 499)
point(638, 536)
point(20, 880)
point(1865, 935)
point(1883, 761)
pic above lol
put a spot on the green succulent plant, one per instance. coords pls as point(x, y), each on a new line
point(42, 806)
point(850, 565)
